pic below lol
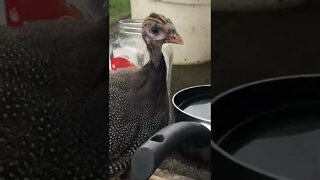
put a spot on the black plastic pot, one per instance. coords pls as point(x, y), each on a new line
point(189, 130)
point(232, 109)
point(201, 115)
point(191, 95)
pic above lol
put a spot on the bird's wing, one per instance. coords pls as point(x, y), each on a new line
point(124, 122)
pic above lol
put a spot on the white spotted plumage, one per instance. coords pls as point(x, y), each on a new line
point(41, 133)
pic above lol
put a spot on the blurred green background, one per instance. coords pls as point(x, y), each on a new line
point(118, 9)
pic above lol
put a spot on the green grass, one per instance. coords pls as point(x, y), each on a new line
point(118, 9)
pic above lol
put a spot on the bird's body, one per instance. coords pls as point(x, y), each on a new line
point(48, 72)
point(146, 115)
point(138, 103)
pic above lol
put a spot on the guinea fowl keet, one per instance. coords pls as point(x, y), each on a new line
point(138, 98)
point(48, 73)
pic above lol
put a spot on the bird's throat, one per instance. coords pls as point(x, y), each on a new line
point(156, 56)
point(152, 77)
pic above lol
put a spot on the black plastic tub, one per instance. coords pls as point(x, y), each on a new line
point(193, 104)
point(269, 129)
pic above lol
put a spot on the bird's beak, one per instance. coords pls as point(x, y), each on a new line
point(175, 38)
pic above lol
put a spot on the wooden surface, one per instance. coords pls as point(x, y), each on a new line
point(160, 174)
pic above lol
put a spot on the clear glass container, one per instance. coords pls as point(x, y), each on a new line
point(129, 49)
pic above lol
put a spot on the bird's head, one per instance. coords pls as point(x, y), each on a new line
point(157, 30)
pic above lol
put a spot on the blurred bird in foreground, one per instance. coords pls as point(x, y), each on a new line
point(49, 75)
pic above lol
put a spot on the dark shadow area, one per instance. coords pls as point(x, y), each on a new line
point(248, 46)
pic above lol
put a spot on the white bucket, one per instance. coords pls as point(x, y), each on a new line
point(192, 19)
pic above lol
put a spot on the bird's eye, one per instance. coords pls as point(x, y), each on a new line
point(155, 30)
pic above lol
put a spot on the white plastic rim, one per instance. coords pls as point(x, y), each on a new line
point(252, 5)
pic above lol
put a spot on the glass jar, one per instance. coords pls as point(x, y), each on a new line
point(129, 49)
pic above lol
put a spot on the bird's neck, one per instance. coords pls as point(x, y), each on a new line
point(152, 82)
point(155, 55)
point(153, 74)
point(157, 61)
